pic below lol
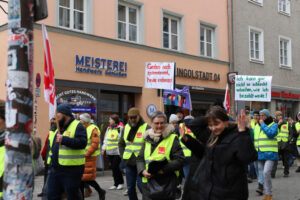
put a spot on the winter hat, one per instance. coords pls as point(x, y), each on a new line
point(256, 112)
point(189, 117)
point(64, 109)
point(85, 117)
point(133, 112)
point(265, 112)
point(173, 118)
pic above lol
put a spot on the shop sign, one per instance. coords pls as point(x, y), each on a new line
point(197, 74)
point(253, 88)
point(95, 65)
point(160, 75)
point(285, 94)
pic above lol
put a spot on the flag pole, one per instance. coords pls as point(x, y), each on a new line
point(160, 100)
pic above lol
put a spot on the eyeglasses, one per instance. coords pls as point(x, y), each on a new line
point(158, 123)
point(132, 117)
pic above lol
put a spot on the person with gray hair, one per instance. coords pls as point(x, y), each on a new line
point(161, 146)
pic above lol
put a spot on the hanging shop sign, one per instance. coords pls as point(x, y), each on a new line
point(197, 74)
point(95, 65)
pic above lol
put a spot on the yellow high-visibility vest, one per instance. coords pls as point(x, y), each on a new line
point(68, 156)
point(2, 154)
point(283, 133)
point(161, 152)
point(50, 139)
point(89, 131)
point(186, 151)
point(112, 139)
point(297, 126)
point(262, 142)
point(136, 145)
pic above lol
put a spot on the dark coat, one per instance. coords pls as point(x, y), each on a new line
point(221, 173)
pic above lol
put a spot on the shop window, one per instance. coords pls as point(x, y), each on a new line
point(128, 22)
point(72, 14)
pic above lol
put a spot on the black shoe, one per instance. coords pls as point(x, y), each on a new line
point(298, 170)
point(273, 175)
point(250, 180)
point(102, 195)
point(260, 189)
point(286, 175)
point(40, 194)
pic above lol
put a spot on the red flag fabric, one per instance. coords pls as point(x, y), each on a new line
point(226, 102)
point(49, 84)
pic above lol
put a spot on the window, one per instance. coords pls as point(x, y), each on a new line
point(285, 52)
point(256, 46)
point(128, 22)
point(284, 6)
point(72, 14)
point(206, 41)
point(260, 2)
point(170, 32)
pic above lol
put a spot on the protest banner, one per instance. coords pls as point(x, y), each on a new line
point(177, 97)
point(253, 88)
point(160, 75)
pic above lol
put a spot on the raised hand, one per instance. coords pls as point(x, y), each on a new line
point(182, 132)
point(242, 121)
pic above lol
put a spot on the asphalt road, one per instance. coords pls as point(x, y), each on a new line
point(283, 188)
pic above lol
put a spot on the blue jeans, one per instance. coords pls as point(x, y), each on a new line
point(186, 167)
point(132, 178)
point(259, 172)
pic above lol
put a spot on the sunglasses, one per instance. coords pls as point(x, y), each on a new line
point(132, 117)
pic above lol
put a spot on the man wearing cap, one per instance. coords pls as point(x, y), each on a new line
point(67, 153)
point(130, 144)
point(283, 138)
point(265, 142)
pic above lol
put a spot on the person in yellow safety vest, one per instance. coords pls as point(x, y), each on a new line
point(92, 150)
point(183, 129)
point(67, 153)
point(265, 142)
point(130, 144)
point(111, 148)
point(161, 144)
point(297, 134)
point(283, 139)
point(2, 148)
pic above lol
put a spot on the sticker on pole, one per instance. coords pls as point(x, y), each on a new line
point(253, 88)
point(38, 80)
point(160, 75)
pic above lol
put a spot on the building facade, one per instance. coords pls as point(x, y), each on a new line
point(266, 42)
point(100, 48)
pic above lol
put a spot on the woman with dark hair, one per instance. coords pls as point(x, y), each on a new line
point(110, 146)
point(221, 173)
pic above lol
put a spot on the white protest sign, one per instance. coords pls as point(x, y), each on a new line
point(159, 75)
point(253, 88)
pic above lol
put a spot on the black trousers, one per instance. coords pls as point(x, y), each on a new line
point(115, 161)
point(94, 184)
point(284, 154)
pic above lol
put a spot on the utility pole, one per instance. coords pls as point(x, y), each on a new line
point(18, 174)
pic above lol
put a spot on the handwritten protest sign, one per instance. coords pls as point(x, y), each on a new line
point(159, 75)
point(253, 88)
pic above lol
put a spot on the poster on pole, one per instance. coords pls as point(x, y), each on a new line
point(160, 75)
point(177, 97)
point(253, 88)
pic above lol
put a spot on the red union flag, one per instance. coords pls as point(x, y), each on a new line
point(227, 100)
point(49, 84)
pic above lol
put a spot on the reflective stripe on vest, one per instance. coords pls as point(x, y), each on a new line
point(66, 155)
point(297, 126)
point(137, 143)
point(187, 152)
point(2, 154)
point(262, 142)
point(112, 139)
point(50, 138)
point(161, 152)
point(283, 133)
point(89, 131)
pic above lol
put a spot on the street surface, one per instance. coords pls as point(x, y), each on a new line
point(283, 188)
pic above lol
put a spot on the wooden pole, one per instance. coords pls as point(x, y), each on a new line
point(18, 175)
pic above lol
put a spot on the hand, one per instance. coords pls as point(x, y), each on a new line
point(102, 152)
point(261, 121)
point(182, 132)
point(160, 171)
point(146, 174)
point(280, 121)
point(59, 138)
point(242, 121)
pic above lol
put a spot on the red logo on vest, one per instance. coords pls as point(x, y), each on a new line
point(112, 136)
point(161, 150)
point(139, 135)
point(284, 127)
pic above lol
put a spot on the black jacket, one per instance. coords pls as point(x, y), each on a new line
point(221, 174)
